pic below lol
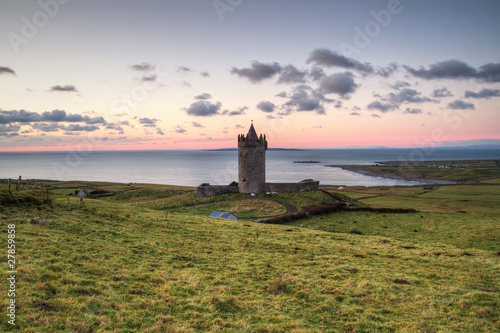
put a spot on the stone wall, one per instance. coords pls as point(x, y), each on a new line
point(290, 187)
point(204, 191)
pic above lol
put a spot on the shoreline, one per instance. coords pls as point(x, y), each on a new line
point(423, 181)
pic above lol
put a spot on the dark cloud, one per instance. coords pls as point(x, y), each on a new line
point(180, 130)
point(266, 106)
point(484, 93)
point(258, 71)
point(205, 74)
point(62, 116)
point(183, 69)
point(204, 96)
point(116, 127)
point(80, 128)
point(382, 107)
point(9, 135)
point(144, 67)
point(456, 69)
point(387, 70)
point(237, 112)
point(290, 74)
point(149, 78)
point(317, 73)
point(374, 115)
point(7, 70)
point(339, 83)
point(159, 131)
point(281, 94)
point(238, 126)
point(354, 114)
point(19, 116)
point(9, 128)
point(195, 124)
point(304, 98)
point(203, 108)
point(490, 72)
point(148, 122)
point(327, 58)
point(441, 92)
point(413, 111)
point(461, 105)
point(66, 88)
point(46, 127)
point(399, 84)
point(407, 95)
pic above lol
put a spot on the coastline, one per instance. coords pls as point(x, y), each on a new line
point(355, 168)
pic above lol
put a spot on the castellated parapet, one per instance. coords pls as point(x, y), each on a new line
point(251, 162)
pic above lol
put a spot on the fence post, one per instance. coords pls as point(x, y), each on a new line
point(18, 186)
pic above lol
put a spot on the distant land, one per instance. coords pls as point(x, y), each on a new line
point(236, 149)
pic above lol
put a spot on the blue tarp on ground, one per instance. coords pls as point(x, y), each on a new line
point(223, 215)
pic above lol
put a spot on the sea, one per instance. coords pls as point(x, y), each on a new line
point(220, 167)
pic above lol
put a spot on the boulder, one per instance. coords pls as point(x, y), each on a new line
point(39, 220)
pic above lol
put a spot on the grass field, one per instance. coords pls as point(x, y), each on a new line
point(149, 259)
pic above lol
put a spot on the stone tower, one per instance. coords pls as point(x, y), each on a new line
point(251, 162)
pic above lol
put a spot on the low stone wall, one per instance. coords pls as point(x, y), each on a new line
point(290, 187)
point(204, 191)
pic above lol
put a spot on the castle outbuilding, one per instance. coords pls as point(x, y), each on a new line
point(252, 171)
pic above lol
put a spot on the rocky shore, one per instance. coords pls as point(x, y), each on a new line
point(356, 169)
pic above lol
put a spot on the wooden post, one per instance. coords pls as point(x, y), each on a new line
point(18, 186)
point(9, 186)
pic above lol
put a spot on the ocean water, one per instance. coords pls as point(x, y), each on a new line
point(218, 167)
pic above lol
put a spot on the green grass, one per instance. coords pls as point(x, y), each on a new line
point(117, 264)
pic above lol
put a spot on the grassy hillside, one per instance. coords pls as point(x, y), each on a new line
point(148, 259)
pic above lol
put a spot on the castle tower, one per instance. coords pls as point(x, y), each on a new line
point(251, 161)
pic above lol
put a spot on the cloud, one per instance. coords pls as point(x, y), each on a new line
point(407, 95)
point(317, 73)
point(327, 58)
point(7, 70)
point(382, 107)
point(80, 128)
point(354, 114)
point(203, 96)
point(290, 74)
point(180, 130)
point(195, 124)
point(237, 112)
point(456, 69)
point(448, 69)
point(144, 67)
point(66, 88)
point(266, 106)
point(238, 126)
point(203, 109)
point(490, 72)
point(9, 128)
point(484, 93)
point(461, 105)
point(9, 135)
point(46, 127)
point(339, 83)
point(399, 84)
point(205, 74)
point(441, 92)
point(374, 115)
point(304, 98)
point(258, 71)
point(149, 78)
point(19, 116)
point(183, 69)
point(159, 131)
point(148, 122)
point(413, 111)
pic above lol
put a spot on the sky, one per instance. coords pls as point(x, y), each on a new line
point(193, 74)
